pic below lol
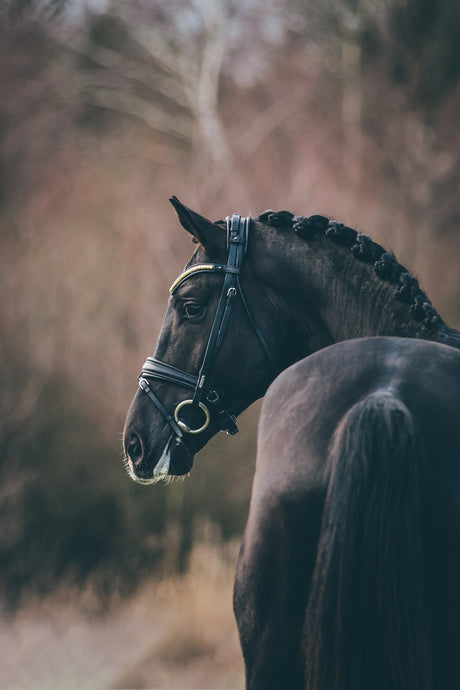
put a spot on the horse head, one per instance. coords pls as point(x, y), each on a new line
point(222, 342)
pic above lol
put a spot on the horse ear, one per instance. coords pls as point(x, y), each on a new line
point(207, 233)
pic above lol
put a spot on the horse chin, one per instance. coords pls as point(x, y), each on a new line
point(176, 460)
point(180, 458)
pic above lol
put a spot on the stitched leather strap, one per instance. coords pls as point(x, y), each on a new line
point(237, 239)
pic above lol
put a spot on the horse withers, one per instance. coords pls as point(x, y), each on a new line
point(347, 577)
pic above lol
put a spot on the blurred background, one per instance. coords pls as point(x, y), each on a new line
point(348, 108)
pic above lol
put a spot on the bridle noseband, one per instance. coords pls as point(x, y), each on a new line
point(205, 397)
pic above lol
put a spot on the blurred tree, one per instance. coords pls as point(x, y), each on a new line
point(165, 63)
point(108, 108)
point(160, 63)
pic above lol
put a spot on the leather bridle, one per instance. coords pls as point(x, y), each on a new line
point(205, 397)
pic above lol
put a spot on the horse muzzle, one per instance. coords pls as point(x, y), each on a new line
point(175, 459)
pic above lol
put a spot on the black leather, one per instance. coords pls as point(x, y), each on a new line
point(237, 239)
point(156, 369)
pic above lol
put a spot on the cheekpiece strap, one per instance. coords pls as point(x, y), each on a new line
point(237, 231)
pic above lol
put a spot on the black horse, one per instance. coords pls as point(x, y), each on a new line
point(349, 571)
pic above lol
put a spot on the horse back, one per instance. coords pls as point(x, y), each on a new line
point(304, 406)
point(289, 537)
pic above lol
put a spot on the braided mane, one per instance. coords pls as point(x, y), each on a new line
point(385, 265)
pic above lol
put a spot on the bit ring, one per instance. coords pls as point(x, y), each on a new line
point(185, 427)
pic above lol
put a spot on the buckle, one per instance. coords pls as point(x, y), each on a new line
point(212, 396)
point(227, 422)
point(237, 230)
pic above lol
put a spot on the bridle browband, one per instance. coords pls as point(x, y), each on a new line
point(204, 395)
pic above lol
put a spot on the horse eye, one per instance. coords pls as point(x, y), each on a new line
point(192, 310)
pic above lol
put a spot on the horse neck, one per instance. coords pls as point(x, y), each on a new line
point(339, 297)
point(352, 299)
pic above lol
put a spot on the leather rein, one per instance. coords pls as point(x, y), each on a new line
point(205, 397)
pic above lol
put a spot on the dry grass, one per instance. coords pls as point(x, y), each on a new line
point(175, 633)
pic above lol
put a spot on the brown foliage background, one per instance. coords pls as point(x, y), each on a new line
point(349, 108)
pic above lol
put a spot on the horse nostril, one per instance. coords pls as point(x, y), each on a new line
point(134, 449)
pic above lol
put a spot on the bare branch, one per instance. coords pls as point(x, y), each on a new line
point(148, 112)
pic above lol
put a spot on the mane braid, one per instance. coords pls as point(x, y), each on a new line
point(366, 250)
